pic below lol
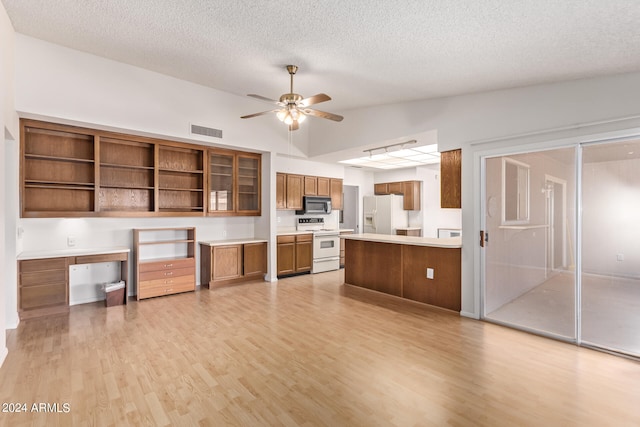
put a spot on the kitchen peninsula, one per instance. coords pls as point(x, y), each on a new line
point(422, 269)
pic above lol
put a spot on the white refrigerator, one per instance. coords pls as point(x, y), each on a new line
point(383, 214)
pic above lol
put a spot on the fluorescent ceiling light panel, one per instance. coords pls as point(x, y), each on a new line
point(402, 158)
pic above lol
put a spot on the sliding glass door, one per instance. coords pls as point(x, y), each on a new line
point(535, 276)
point(610, 277)
point(529, 264)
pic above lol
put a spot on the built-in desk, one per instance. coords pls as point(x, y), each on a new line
point(43, 277)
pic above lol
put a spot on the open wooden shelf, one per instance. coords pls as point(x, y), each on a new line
point(74, 171)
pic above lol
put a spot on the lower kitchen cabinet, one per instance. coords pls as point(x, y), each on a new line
point(226, 263)
point(295, 254)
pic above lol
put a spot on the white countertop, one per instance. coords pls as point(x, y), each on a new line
point(233, 242)
point(54, 253)
point(450, 242)
point(346, 230)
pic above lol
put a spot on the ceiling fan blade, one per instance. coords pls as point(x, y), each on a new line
point(323, 114)
point(259, 114)
point(315, 99)
point(264, 98)
point(294, 126)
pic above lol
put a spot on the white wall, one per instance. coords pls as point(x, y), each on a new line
point(8, 136)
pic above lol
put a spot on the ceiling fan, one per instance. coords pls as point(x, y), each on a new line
point(293, 108)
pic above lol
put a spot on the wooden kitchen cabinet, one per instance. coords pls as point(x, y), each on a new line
point(226, 264)
point(336, 193)
point(254, 257)
point(451, 179)
point(156, 274)
point(324, 186)
point(411, 191)
point(395, 188)
point(310, 185)
point(295, 254)
point(381, 189)
point(234, 183)
point(304, 252)
point(291, 188)
point(69, 171)
point(286, 255)
point(281, 191)
point(295, 188)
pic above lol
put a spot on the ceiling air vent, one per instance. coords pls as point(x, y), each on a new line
point(201, 130)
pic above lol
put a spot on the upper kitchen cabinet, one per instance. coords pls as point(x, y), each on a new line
point(310, 185)
point(324, 186)
point(411, 192)
point(409, 189)
point(234, 183)
point(291, 188)
point(336, 193)
point(451, 179)
point(295, 188)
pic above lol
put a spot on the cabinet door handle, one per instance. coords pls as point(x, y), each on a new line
point(168, 273)
point(168, 265)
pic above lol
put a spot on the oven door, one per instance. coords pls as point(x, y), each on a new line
point(327, 246)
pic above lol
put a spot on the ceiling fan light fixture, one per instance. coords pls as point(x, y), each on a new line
point(281, 115)
point(301, 117)
point(288, 119)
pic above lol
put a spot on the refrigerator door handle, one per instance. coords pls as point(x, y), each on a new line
point(373, 220)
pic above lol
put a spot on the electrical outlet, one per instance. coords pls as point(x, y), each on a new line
point(429, 273)
point(620, 257)
point(71, 240)
point(224, 234)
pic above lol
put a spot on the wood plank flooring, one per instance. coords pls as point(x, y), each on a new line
point(306, 351)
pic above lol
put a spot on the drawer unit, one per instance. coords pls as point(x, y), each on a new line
point(166, 277)
point(42, 287)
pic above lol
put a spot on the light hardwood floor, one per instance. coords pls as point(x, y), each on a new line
point(307, 351)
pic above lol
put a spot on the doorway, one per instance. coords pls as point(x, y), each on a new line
point(349, 215)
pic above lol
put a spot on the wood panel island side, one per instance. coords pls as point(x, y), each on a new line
point(422, 269)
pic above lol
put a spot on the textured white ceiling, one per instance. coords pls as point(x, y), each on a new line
point(360, 52)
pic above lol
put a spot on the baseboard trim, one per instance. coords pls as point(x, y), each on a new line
point(470, 315)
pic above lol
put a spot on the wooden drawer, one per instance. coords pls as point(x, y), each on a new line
point(49, 277)
point(90, 259)
point(168, 264)
point(32, 297)
point(287, 239)
point(166, 274)
point(304, 238)
point(31, 265)
point(158, 287)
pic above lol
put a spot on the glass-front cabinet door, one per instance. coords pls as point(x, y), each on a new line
point(221, 173)
point(248, 184)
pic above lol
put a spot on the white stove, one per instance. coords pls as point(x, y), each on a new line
point(326, 244)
